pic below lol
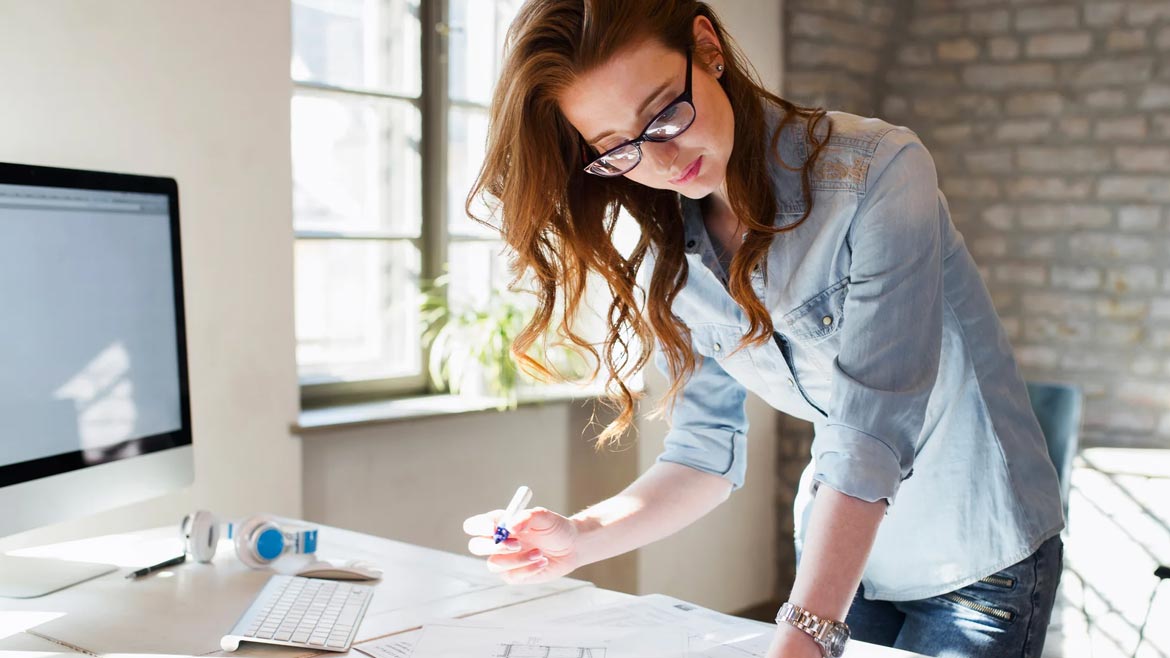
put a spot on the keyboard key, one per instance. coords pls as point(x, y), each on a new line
point(349, 615)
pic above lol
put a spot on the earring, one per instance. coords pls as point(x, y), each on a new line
point(719, 68)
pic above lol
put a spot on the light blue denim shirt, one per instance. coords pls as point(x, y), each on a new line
point(887, 341)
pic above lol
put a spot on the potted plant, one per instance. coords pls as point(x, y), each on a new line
point(470, 348)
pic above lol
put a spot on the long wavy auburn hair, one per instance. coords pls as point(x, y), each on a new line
point(559, 221)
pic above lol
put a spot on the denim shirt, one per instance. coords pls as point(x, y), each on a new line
point(887, 341)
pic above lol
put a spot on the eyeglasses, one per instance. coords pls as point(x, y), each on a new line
point(665, 126)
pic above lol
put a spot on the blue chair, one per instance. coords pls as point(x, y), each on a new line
point(1058, 407)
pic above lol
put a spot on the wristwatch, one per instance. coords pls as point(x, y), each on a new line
point(829, 635)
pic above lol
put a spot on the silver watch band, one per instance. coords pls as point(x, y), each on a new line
point(829, 635)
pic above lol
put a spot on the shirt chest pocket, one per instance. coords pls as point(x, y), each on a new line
point(820, 318)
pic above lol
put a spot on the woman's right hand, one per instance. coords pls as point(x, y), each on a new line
point(541, 546)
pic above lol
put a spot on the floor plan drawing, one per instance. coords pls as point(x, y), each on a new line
point(461, 638)
point(535, 650)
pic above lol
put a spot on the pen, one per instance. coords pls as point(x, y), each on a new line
point(519, 500)
point(155, 567)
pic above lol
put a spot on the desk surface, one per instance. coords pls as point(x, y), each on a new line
point(186, 610)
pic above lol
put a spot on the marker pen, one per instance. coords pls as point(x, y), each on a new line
point(519, 501)
point(155, 567)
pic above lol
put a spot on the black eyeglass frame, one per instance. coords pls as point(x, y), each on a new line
point(684, 97)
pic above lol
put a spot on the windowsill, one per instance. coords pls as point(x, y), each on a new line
point(364, 414)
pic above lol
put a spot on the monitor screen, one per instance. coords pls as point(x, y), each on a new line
point(92, 347)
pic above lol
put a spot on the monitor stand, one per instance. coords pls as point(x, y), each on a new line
point(30, 577)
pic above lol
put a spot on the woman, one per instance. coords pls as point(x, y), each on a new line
point(806, 256)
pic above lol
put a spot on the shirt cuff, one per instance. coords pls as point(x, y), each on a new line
point(724, 455)
point(857, 464)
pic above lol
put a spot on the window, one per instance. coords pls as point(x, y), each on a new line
point(386, 141)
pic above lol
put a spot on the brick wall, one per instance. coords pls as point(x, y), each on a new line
point(1050, 125)
point(1049, 122)
point(835, 50)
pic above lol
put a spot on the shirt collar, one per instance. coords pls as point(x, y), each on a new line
point(791, 150)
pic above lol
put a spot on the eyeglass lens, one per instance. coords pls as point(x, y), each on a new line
point(668, 125)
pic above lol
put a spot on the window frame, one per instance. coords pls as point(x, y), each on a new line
point(432, 104)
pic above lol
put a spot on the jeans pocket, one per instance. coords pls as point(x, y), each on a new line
point(1000, 595)
point(986, 608)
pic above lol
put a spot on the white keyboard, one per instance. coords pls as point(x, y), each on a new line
point(293, 611)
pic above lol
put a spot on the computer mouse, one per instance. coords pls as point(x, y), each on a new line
point(341, 570)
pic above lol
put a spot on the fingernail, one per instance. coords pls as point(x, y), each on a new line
point(533, 554)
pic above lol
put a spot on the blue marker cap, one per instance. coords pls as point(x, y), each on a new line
point(519, 501)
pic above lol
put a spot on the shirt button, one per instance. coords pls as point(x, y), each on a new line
point(717, 347)
point(690, 244)
point(827, 320)
point(791, 383)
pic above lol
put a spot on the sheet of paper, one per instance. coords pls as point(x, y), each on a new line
point(710, 634)
point(386, 648)
point(470, 639)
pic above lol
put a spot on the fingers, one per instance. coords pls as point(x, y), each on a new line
point(488, 546)
point(484, 524)
point(530, 573)
point(507, 558)
point(483, 529)
point(517, 564)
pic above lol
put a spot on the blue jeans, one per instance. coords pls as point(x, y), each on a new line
point(1003, 615)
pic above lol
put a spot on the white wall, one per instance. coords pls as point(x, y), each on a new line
point(197, 90)
point(758, 29)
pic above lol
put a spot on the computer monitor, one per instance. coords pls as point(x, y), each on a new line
point(94, 404)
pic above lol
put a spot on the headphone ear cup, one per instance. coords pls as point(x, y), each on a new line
point(200, 532)
point(258, 541)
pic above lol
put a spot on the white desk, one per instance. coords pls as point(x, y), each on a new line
point(185, 611)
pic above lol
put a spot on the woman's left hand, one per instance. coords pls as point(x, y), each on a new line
point(790, 642)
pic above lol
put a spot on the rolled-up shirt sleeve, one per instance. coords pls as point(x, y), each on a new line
point(708, 423)
point(891, 330)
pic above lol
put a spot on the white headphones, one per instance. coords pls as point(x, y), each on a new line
point(258, 540)
point(200, 532)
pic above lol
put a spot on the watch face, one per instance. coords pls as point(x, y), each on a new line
point(837, 639)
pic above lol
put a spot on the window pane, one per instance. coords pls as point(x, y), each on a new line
point(356, 163)
point(364, 44)
point(357, 310)
point(476, 46)
point(476, 268)
point(466, 144)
